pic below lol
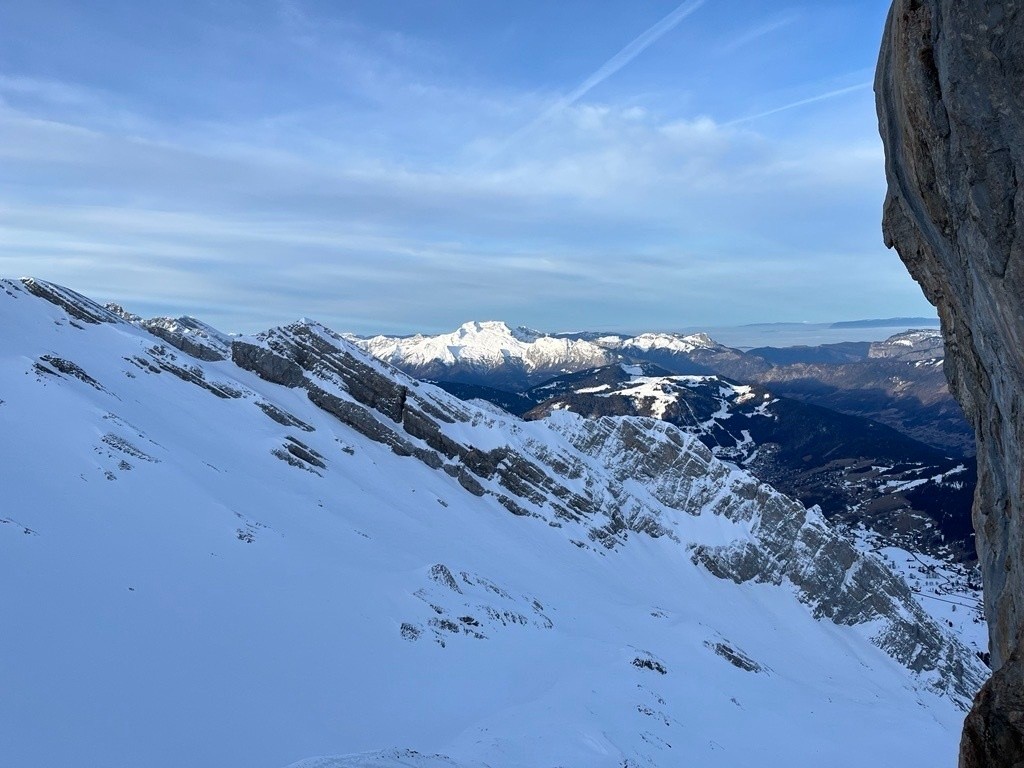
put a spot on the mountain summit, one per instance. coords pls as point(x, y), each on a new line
point(479, 351)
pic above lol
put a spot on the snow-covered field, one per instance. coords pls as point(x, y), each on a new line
point(176, 592)
point(950, 592)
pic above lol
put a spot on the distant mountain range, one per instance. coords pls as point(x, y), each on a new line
point(898, 382)
point(891, 322)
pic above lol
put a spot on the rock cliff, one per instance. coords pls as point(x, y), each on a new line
point(949, 85)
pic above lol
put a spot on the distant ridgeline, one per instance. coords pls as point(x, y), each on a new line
point(892, 322)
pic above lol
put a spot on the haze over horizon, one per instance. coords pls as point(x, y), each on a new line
point(409, 166)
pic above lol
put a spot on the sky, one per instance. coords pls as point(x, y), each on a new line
point(408, 165)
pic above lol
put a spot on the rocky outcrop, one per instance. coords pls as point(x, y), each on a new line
point(787, 542)
point(75, 304)
point(993, 737)
point(191, 336)
point(949, 85)
point(915, 346)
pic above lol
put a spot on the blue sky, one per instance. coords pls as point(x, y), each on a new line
point(402, 165)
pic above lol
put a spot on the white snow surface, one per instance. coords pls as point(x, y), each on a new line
point(919, 345)
point(174, 594)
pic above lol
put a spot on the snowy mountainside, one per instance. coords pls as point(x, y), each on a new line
point(858, 471)
point(914, 346)
point(298, 550)
point(192, 336)
point(670, 342)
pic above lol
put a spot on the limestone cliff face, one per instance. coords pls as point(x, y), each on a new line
point(951, 106)
point(950, 90)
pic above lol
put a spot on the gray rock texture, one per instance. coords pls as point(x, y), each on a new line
point(190, 336)
point(76, 305)
point(993, 736)
point(950, 85)
point(610, 479)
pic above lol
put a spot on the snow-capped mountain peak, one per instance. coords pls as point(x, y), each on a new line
point(490, 330)
point(495, 354)
point(484, 347)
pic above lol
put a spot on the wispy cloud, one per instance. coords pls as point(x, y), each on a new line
point(801, 103)
point(353, 191)
point(758, 32)
point(50, 91)
point(637, 46)
point(633, 49)
point(274, 233)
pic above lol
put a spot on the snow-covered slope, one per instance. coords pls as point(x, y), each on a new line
point(915, 346)
point(859, 471)
point(299, 551)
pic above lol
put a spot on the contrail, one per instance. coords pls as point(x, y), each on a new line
point(802, 102)
point(637, 46)
point(641, 43)
point(753, 34)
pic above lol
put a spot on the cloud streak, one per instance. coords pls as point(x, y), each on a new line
point(803, 102)
point(634, 48)
point(757, 32)
point(637, 46)
point(608, 217)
